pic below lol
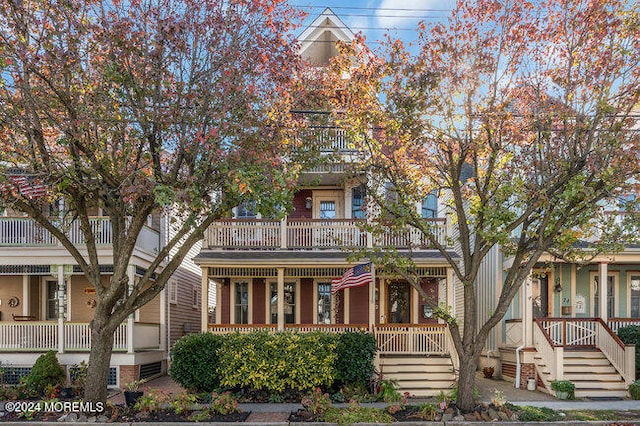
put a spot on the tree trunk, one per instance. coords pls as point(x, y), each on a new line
point(99, 360)
point(467, 381)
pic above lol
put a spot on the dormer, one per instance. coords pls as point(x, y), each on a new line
point(318, 40)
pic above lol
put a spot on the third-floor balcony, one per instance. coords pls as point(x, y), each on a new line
point(26, 232)
point(308, 234)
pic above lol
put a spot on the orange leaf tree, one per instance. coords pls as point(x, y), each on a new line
point(137, 107)
point(519, 114)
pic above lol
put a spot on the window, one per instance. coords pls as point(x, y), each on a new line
point(173, 292)
point(327, 209)
point(611, 305)
point(246, 210)
point(634, 289)
point(430, 206)
point(52, 300)
point(289, 302)
point(241, 308)
point(324, 303)
point(357, 202)
point(194, 297)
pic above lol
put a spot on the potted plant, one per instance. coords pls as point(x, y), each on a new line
point(488, 372)
point(132, 392)
point(564, 389)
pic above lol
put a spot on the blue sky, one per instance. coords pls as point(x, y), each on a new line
point(377, 17)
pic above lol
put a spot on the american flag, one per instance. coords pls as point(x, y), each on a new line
point(357, 276)
point(29, 186)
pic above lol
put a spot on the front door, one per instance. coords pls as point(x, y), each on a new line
point(399, 303)
point(540, 297)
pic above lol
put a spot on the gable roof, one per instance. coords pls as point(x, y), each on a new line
point(317, 41)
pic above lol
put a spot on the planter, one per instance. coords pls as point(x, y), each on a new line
point(562, 395)
point(531, 384)
point(66, 393)
point(488, 372)
point(131, 397)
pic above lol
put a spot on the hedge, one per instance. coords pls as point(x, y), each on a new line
point(630, 335)
point(272, 362)
point(195, 362)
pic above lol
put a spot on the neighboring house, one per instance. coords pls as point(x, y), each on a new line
point(46, 303)
point(276, 274)
point(566, 327)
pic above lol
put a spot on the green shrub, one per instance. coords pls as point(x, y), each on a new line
point(355, 353)
point(356, 414)
point(630, 335)
point(277, 362)
point(47, 371)
point(195, 362)
point(526, 413)
point(634, 390)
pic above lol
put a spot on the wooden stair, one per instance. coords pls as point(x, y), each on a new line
point(421, 376)
point(590, 371)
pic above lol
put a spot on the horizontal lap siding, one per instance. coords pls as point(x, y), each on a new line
point(182, 315)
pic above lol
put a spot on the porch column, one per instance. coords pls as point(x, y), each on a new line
point(527, 315)
point(218, 302)
point(450, 289)
point(163, 318)
point(372, 298)
point(26, 300)
point(603, 290)
point(347, 303)
point(204, 301)
point(415, 304)
point(61, 293)
point(131, 273)
point(280, 299)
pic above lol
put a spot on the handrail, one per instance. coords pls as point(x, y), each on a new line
point(611, 333)
point(538, 321)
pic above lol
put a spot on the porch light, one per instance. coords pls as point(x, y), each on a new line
point(558, 286)
point(308, 202)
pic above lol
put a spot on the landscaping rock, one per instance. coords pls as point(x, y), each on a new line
point(458, 418)
point(71, 417)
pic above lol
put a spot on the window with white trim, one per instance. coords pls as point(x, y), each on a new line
point(173, 292)
point(241, 308)
point(324, 303)
point(194, 297)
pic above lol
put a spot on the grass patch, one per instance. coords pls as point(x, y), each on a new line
point(356, 414)
point(527, 413)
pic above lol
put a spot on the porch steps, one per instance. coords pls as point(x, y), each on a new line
point(421, 376)
point(590, 371)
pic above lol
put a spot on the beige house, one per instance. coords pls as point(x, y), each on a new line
point(46, 303)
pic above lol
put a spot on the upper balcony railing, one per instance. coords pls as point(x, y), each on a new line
point(329, 138)
point(305, 234)
point(24, 231)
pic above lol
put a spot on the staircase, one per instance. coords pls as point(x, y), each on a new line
point(589, 370)
point(419, 375)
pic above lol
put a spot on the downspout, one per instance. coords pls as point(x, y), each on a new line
point(521, 347)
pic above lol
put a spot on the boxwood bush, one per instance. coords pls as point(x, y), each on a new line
point(46, 371)
point(630, 335)
point(355, 353)
point(195, 362)
point(278, 362)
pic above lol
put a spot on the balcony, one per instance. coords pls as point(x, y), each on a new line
point(309, 234)
point(24, 231)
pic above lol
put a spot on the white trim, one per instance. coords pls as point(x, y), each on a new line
point(316, 283)
point(232, 299)
point(629, 275)
point(616, 291)
point(195, 299)
point(296, 289)
point(173, 291)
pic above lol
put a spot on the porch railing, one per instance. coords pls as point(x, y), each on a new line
point(24, 231)
point(311, 234)
point(616, 323)
point(552, 335)
point(423, 339)
point(412, 339)
point(40, 336)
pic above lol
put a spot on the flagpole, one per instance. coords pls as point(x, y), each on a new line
point(372, 298)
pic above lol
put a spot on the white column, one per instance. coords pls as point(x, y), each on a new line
point(218, 302)
point(347, 303)
point(280, 299)
point(414, 305)
point(573, 289)
point(163, 318)
point(131, 273)
point(450, 291)
point(283, 233)
point(61, 292)
point(527, 315)
point(603, 289)
point(382, 301)
point(204, 301)
point(372, 298)
point(26, 300)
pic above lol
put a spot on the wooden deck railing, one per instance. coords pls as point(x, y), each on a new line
point(39, 336)
point(312, 234)
point(616, 323)
point(24, 231)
